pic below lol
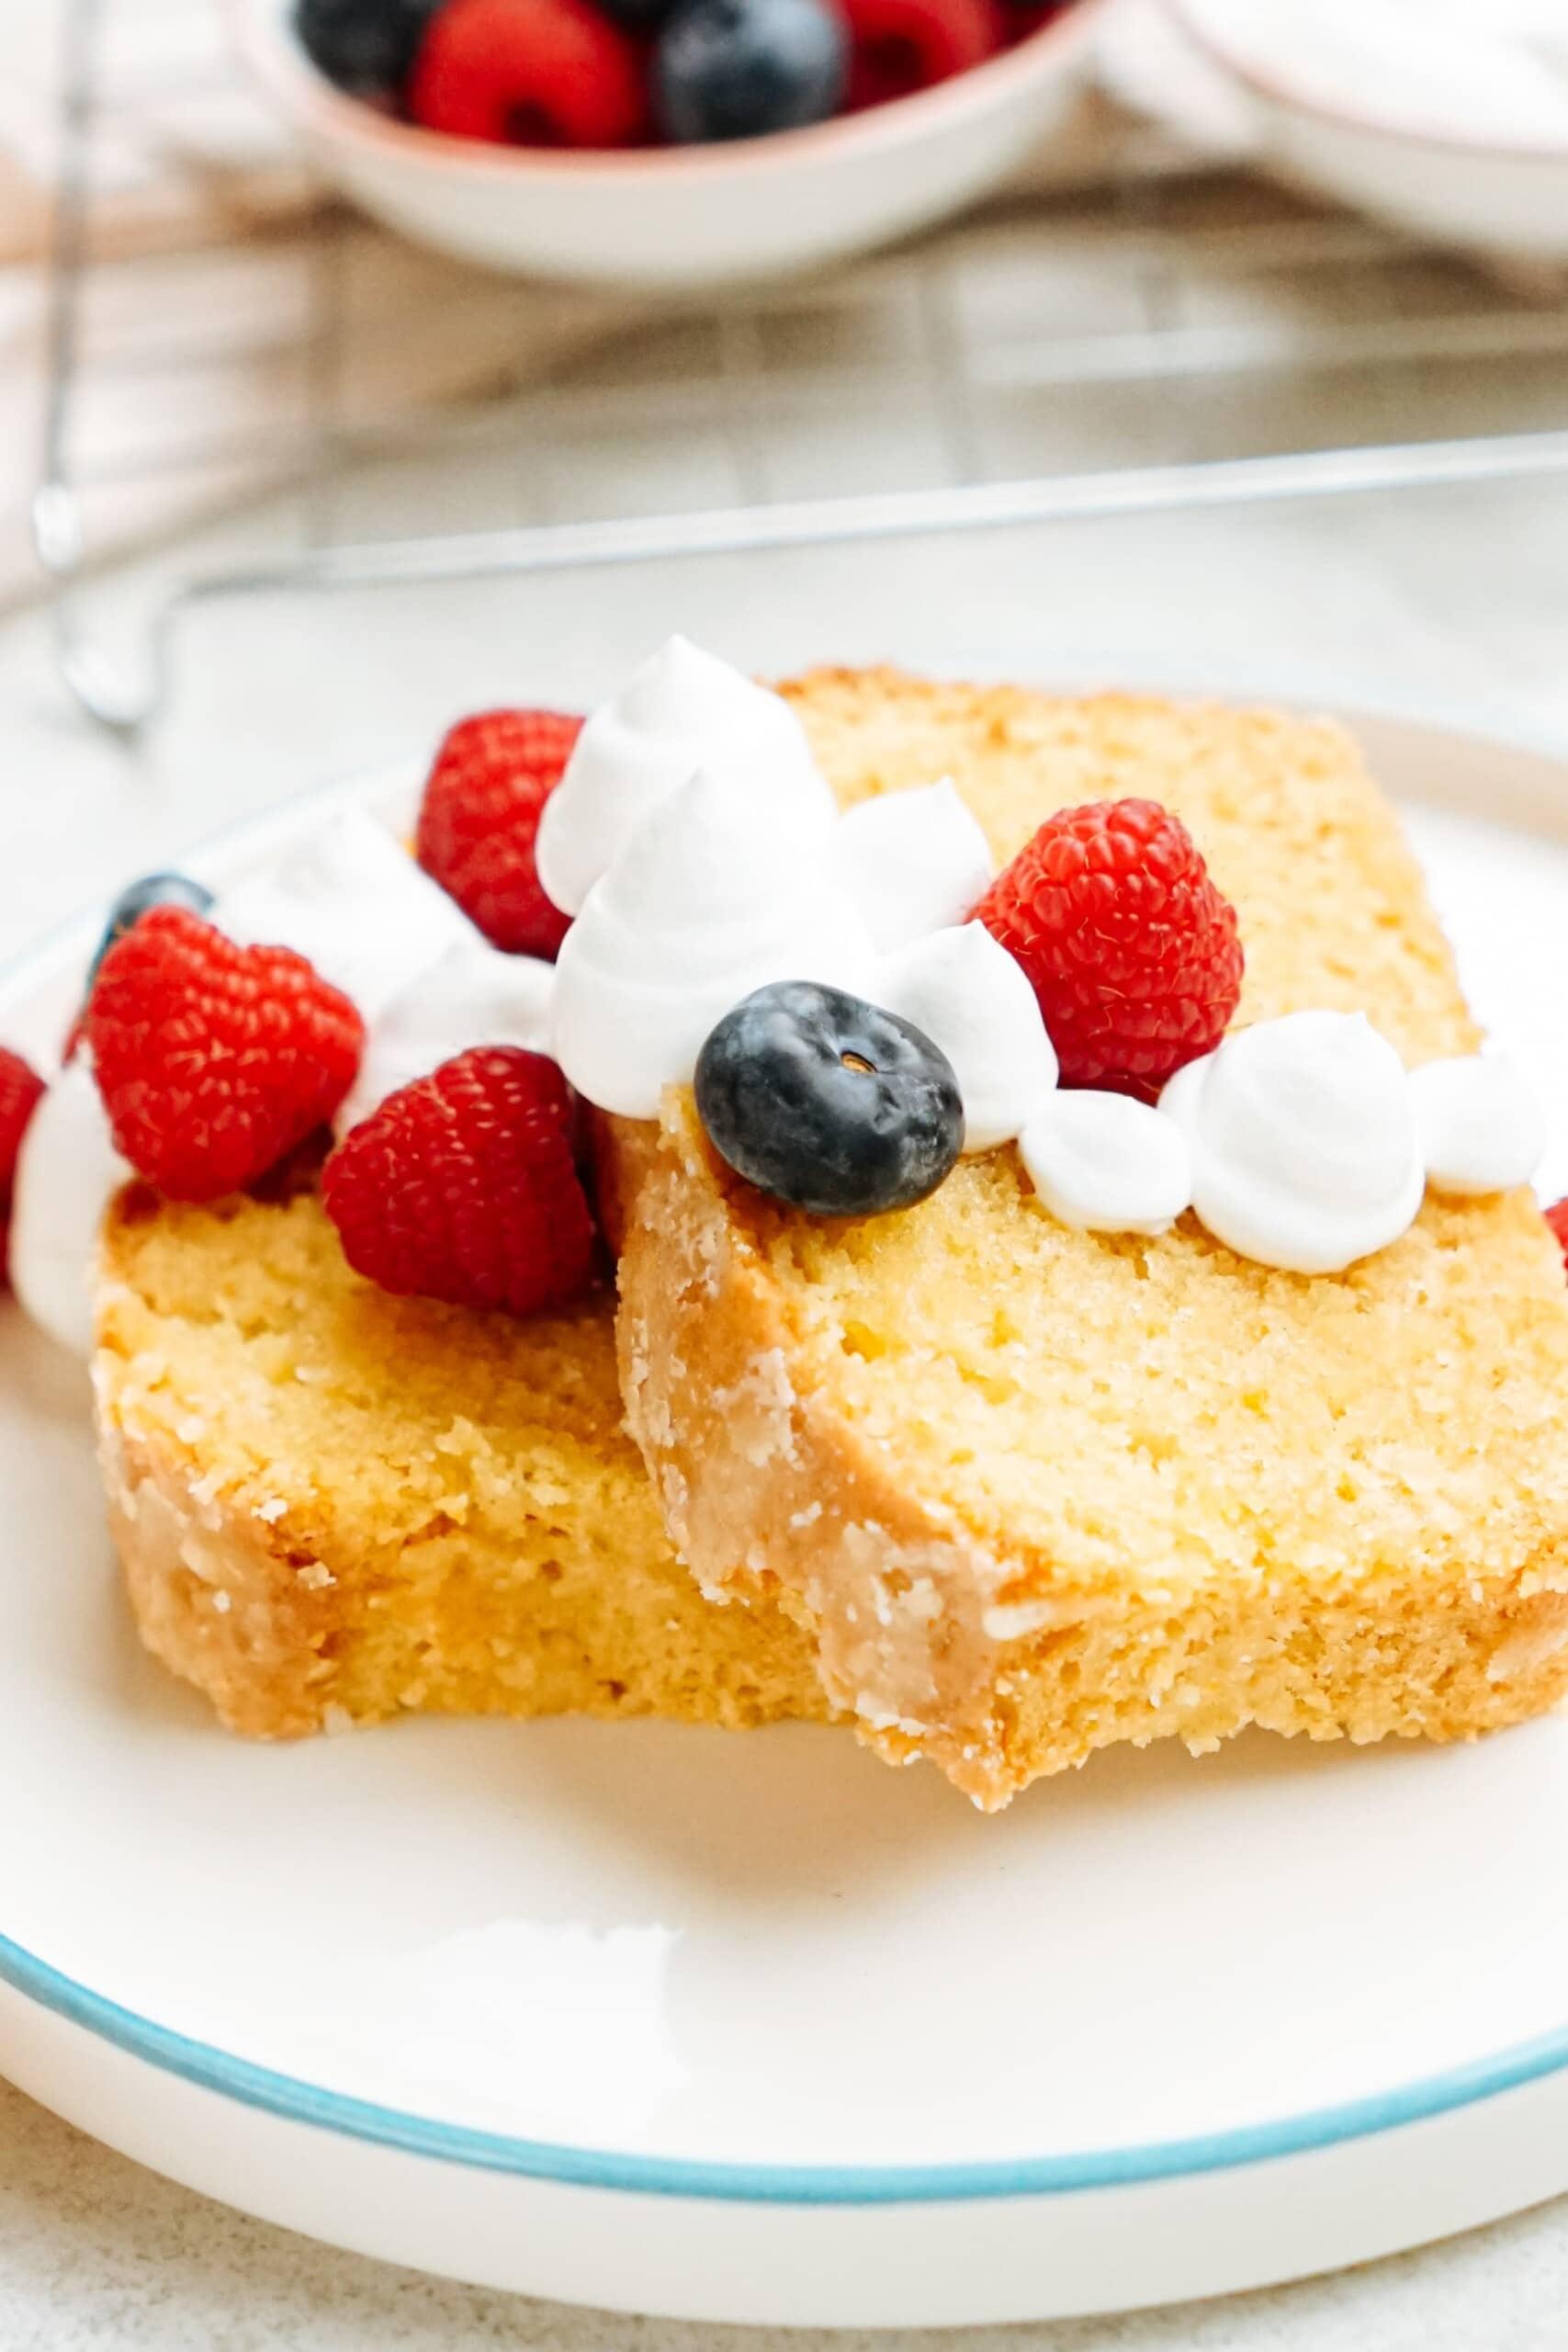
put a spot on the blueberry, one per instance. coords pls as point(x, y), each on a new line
point(734, 68)
point(828, 1102)
point(365, 46)
point(137, 898)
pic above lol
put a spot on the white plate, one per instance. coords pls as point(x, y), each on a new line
point(752, 2027)
point(681, 217)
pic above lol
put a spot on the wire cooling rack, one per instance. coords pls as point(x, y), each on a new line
point(1169, 340)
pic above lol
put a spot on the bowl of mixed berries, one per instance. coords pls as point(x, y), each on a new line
point(666, 142)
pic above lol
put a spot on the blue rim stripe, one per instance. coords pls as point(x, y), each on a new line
point(294, 2102)
point(755, 2184)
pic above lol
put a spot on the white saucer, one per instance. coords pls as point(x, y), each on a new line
point(752, 2027)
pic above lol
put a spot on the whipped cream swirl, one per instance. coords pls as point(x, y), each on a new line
point(67, 1173)
point(473, 995)
point(681, 710)
point(353, 902)
point(1481, 1124)
point(721, 890)
point(971, 998)
point(1107, 1164)
point(1305, 1154)
point(914, 862)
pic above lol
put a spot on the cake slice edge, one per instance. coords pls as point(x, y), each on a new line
point(235, 1400)
point(991, 1657)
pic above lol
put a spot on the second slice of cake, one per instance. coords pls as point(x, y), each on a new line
point(334, 1507)
point(1031, 1490)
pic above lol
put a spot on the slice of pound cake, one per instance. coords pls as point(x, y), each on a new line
point(1030, 1488)
point(1093, 1300)
point(333, 1505)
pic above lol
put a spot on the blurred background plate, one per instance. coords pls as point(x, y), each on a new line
point(1451, 122)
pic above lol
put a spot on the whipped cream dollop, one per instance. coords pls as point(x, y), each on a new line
point(1303, 1133)
point(722, 889)
point(681, 710)
point(971, 998)
point(1479, 1122)
point(67, 1173)
point(1107, 1164)
point(353, 902)
point(914, 862)
point(473, 995)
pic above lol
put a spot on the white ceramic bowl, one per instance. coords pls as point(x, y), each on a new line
point(681, 217)
point(1369, 147)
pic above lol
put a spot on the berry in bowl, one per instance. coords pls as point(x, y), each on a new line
point(666, 143)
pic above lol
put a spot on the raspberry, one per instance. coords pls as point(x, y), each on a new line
point(480, 817)
point(1131, 950)
point(528, 73)
point(214, 1061)
point(906, 45)
point(1557, 1218)
point(463, 1186)
point(150, 890)
point(21, 1090)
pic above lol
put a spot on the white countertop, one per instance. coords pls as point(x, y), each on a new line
point(97, 2256)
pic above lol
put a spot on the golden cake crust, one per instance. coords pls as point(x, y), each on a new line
point(333, 1507)
point(1032, 1491)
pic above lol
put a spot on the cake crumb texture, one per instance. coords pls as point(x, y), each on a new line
point(334, 1507)
point(1074, 1488)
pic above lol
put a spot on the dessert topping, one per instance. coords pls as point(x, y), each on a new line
point(828, 1102)
point(548, 73)
point(722, 889)
point(354, 903)
point(906, 45)
point(480, 818)
point(138, 898)
point(913, 862)
point(971, 999)
point(737, 69)
point(463, 1187)
point(1305, 1153)
point(135, 901)
point(1107, 1163)
point(471, 996)
point(21, 1092)
point(848, 1034)
point(1131, 949)
point(214, 1061)
point(681, 710)
point(67, 1173)
point(1479, 1122)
